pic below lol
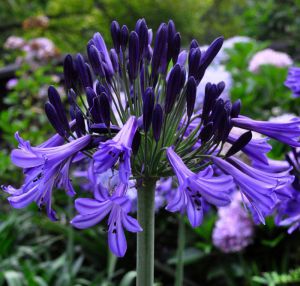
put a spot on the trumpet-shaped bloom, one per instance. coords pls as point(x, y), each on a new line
point(259, 191)
point(118, 149)
point(285, 132)
point(193, 188)
point(45, 168)
point(116, 206)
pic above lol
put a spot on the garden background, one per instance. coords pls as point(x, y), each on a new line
point(36, 251)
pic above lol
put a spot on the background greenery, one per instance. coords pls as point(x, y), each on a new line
point(35, 251)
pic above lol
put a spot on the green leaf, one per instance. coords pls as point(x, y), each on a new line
point(128, 279)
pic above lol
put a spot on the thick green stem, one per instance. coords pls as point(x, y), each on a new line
point(145, 239)
point(180, 249)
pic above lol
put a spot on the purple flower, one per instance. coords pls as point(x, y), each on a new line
point(45, 167)
point(293, 81)
point(117, 149)
point(259, 191)
point(193, 188)
point(116, 206)
point(285, 132)
point(234, 228)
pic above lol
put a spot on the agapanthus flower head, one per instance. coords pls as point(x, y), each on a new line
point(132, 113)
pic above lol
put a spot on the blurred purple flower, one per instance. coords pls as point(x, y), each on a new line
point(293, 81)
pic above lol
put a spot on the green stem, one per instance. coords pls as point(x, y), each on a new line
point(145, 239)
point(180, 249)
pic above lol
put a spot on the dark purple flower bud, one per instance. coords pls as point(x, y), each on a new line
point(171, 34)
point(208, 56)
point(95, 111)
point(159, 48)
point(239, 144)
point(191, 89)
point(133, 50)
point(54, 119)
point(148, 104)
point(72, 97)
point(124, 37)
point(104, 109)
point(89, 75)
point(55, 100)
point(70, 73)
point(175, 47)
point(221, 87)
point(182, 77)
point(114, 60)
point(235, 109)
point(206, 132)
point(194, 44)
point(115, 35)
point(90, 95)
point(220, 124)
point(80, 124)
point(157, 121)
point(173, 88)
point(211, 93)
point(194, 61)
point(96, 61)
point(227, 107)
point(136, 142)
point(217, 112)
point(142, 31)
point(83, 72)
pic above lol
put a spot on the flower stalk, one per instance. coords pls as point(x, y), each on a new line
point(145, 239)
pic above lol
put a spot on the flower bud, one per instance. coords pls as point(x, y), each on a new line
point(236, 108)
point(148, 104)
point(70, 73)
point(54, 119)
point(194, 62)
point(124, 37)
point(157, 120)
point(191, 90)
point(206, 133)
point(133, 55)
point(104, 109)
point(83, 71)
point(159, 48)
point(55, 100)
point(239, 144)
point(96, 61)
point(136, 142)
point(114, 59)
point(173, 88)
point(80, 124)
point(115, 35)
point(142, 31)
point(194, 44)
point(90, 95)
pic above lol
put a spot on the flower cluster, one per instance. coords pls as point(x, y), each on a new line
point(234, 229)
point(131, 112)
point(269, 57)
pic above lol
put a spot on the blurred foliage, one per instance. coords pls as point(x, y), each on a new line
point(72, 24)
point(276, 21)
point(263, 94)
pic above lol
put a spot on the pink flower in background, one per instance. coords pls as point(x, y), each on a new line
point(14, 42)
point(234, 229)
point(269, 57)
point(40, 48)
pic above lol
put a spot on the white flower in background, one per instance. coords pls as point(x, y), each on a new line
point(234, 229)
point(269, 57)
point(14, 42)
